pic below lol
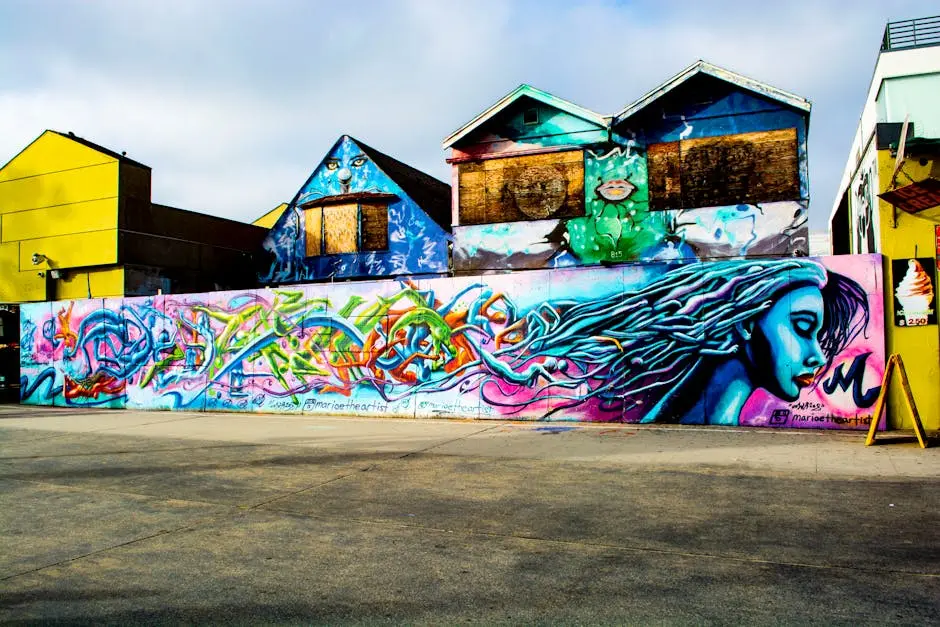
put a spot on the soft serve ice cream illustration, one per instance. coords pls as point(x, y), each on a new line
point(915, 294)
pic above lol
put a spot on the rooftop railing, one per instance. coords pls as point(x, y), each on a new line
point(917, 33)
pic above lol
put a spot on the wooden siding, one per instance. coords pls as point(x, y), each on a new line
point(341, 229)
point(374, 227)
point(532, 187)
point(664, 184)
point(710, 171)
point(313, 229)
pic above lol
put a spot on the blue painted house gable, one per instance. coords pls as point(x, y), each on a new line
point(707, 101)
point(727, 163)
point(361, 214)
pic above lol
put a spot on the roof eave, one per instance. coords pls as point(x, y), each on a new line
point(703, 67)
point(518, 92)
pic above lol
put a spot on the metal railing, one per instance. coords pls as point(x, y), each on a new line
point(917, 33)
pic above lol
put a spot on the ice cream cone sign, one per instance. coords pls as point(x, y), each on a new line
point(914, 293)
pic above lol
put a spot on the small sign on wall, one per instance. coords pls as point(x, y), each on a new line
point(937, 234)
point(914, 292)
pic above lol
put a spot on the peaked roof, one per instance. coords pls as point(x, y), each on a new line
point(432, 195)
point(519, 92)
point(270, 217)
point(100, 148)
point(708, 69)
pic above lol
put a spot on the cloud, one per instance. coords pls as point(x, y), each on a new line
point(234, 103)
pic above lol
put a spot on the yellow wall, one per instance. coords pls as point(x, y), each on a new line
point(58, 198)
point(103, 282)
point(270, 218)
point(75, 250)
point(16, 286)
point(54, 189)
point(92, 215)
point(919, 346)
point(52, 152)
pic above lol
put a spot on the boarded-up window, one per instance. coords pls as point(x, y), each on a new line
point(710, 171)
point(533, 187)
point(346, 228)
point(340, 229)
point(664, 185)
point(313, 229)
point(374, 227)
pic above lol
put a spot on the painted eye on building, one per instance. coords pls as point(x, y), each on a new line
point(332, 164)
point(358, 162)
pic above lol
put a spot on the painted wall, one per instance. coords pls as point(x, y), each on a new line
point(9, 353)
point(919, 347)
point(619, 225)
point(914, 97)
point(416, 244)
point(528, 125)
point(863, 211)
point(787, 342)
point(622, 218)
point(58, 198)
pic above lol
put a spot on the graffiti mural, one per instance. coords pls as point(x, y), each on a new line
point(359, 215)
point(864, 206)
point(771, 229)
point(710, 165)
point(788, 342)
point(618, 224)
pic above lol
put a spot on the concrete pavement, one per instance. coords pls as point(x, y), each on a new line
point(762, 451)
point(122, 517)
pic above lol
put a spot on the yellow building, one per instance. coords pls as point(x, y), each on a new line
point(902, 100)
point(76, 221)
point(270, 218)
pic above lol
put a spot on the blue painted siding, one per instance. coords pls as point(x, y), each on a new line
point(416, 244)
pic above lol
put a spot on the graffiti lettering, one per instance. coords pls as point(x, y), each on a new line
point(853, 378)
point(656, 348)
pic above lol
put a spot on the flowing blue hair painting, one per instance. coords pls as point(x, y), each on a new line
point(630, 349)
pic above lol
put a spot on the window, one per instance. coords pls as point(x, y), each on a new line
point(373, 225)
point(530, 116)
point(313, 227)
point(530, 187)
point(340, 229)
point(730, 169)
point(346, 228)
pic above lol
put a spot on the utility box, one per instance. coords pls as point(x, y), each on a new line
point(9, 353)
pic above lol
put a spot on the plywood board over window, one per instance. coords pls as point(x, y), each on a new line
point(313, 230)
point(665, 188)
point(340, 229)
point(746, 168)
point(374, 226)
point(531, 187)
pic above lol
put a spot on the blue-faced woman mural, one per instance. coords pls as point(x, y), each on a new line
point(752, 342)
point(690, 346)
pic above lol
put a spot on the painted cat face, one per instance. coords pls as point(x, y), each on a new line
point(344, 167)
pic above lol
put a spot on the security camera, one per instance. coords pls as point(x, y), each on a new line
point(38, 259)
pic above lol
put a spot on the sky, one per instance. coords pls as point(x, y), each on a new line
point(234, 103)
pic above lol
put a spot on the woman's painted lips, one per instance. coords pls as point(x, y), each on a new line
point(615, 190)
point(805, 380)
